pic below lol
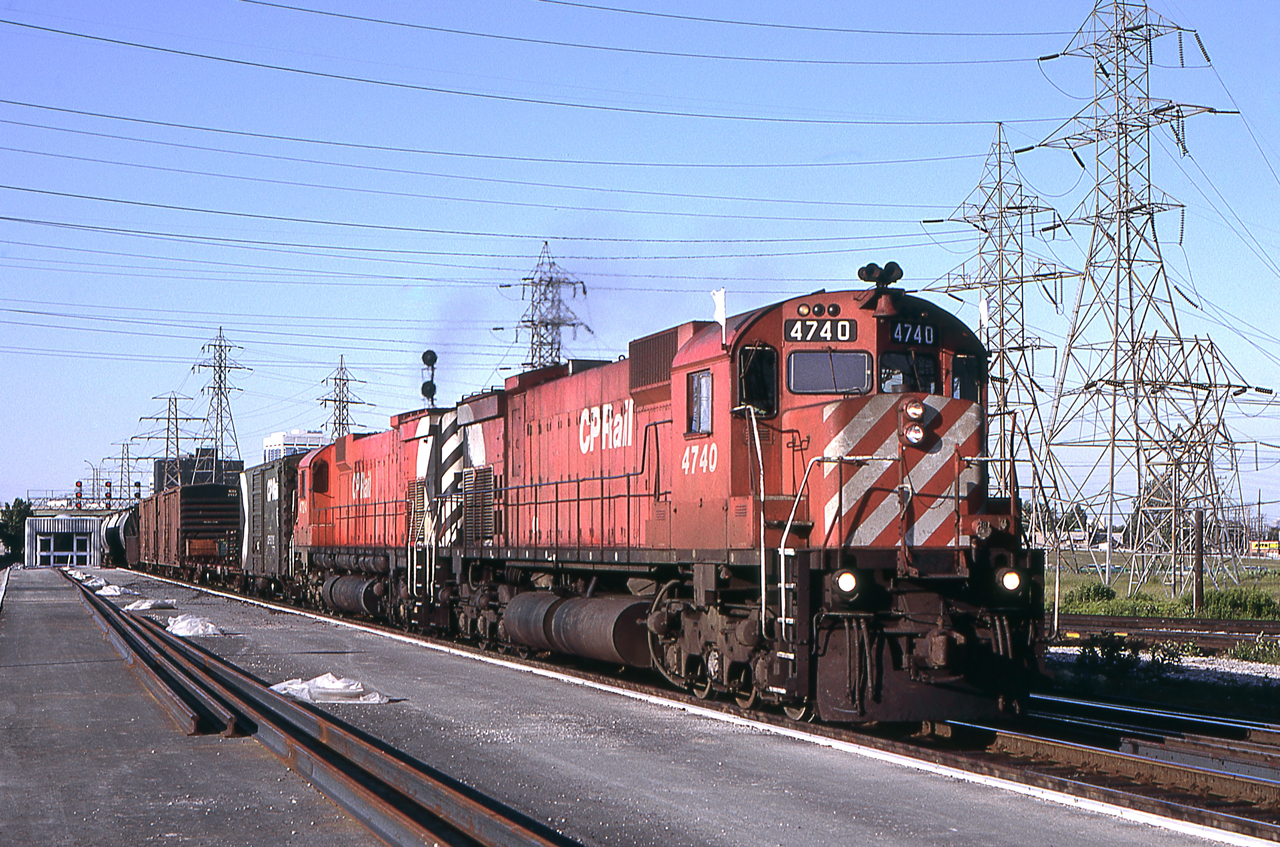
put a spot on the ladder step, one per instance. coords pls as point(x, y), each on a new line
point(789, 585)
point(786, 620)
point(782, 655)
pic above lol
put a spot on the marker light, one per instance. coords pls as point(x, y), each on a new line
point(833, 310)
point(913, 432)
point(847, 582)
point(819, 310)
point(803, 310)
point(914, 410)
point(1010, 580)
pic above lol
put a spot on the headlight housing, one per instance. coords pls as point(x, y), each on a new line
point(846, 582)
point(914, 410)
point(913, 433)
point(1009, 579)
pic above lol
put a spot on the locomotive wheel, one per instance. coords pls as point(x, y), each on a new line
point(703, 689)
point(802, 713)
point(744, 693)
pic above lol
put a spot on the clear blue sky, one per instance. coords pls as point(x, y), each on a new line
point(321, 186)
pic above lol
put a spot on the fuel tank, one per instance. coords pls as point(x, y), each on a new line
point(609, 628)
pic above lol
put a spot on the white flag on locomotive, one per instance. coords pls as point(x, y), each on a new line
point(721, 318)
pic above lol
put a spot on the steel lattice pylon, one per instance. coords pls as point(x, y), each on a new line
point(547, 314)
point(219, 436)
point(341, 399)
point(173, 420)
point(1136, 421)
point(1006, 214)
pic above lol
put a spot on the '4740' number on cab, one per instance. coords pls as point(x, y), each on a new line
point(699, 458)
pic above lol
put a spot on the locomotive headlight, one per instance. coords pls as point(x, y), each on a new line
point(847, 582)
point(803, 310)
point(914, 410)
point(1009, 579)
point(913, 432)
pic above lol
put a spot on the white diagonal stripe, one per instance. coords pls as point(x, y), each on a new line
point(847, 438)
point(856, 486)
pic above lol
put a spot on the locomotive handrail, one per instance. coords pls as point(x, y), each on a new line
point(764, 570)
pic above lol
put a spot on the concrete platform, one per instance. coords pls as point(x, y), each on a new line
point(611, 770)
point(88, 758)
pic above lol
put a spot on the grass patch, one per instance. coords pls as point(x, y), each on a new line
point(1089, 596)
point(1256, 651)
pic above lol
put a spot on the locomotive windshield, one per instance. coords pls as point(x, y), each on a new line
point(829, 372)
point(758, 379)
point(909, 371)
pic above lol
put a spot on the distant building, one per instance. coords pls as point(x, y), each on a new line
point(200, 467)
point(280, 444)
point(63, 541)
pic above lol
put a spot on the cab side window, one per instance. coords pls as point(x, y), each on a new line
point(966, 378)
point(700, 402)
point(320, 477)
point(758, 379)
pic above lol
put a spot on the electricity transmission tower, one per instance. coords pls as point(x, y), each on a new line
point(547, 314)
point(173, 420)
point(1006, 215)
point(341, 398)
point(219, 436)
point(1137, 406)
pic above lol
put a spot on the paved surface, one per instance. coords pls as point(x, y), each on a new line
point(88, 758)
point(606, 769)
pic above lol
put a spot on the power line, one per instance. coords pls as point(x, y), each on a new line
point(381, 148)
point(417, 195)
point(173, 207)
point(800, 27)
point(508, 98)
point(666, 54)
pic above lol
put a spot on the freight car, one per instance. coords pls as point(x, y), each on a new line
point(788, 508)
point(192, 531)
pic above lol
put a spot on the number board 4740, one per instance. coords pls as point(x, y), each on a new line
point(909, 332)
point(813, 329)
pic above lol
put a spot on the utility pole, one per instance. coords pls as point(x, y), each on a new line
point(1137, 406)
point(547, 314)
point(341, 398)
point(219, 436)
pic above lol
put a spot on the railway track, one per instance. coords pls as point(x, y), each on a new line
point(1209, 634)
point(1058, 749)
point(399, 799)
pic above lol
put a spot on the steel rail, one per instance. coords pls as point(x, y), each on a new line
point(401, 800)
point(1211, 633)
point(1203, 781)
point(181, 713)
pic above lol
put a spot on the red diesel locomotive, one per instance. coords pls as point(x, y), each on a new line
point(791, 508)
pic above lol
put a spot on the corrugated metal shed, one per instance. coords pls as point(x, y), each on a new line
point(63, 541)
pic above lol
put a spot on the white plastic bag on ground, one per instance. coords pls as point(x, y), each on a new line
point(187, 625)
point(328, 688)
point(96, 582)
point(143, 605)
point(113, 591)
